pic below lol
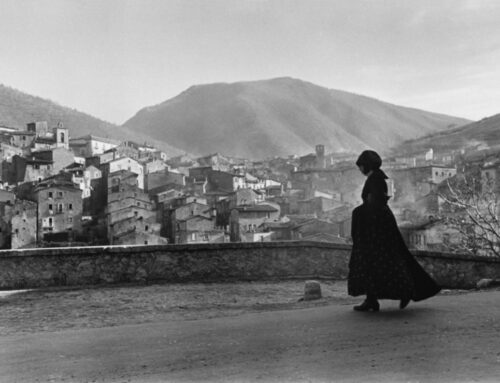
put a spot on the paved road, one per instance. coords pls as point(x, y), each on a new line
point(446, 339)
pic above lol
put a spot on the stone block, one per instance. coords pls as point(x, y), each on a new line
point(487, 283)
point(312, 290)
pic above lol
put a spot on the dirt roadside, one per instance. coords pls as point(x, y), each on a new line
point(54, 309)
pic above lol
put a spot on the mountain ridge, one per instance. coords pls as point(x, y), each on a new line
point(281, 116)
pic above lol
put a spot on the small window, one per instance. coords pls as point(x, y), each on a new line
point(50, 221)
point(60, 208)
point(70, 220)
point(60, 194)
point(70, 206)
point(145, 242)
point(51, 194)
point(146, 227)
point(24, 138)
point(50, 206)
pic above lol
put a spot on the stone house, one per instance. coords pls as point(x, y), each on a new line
point(59, 207)
point(154, 180)
point(131, 214)
point(60, 157)
point(184, 212)
point(90, 145)
point(8, 151)
point(409, 183)
point(316, 226)
point(197, 229)
point(431, 235)
point(153, 166)
point(166, 194)
point(237, 198)
point(125, 163)
point(28, 170)
point(249, 218)
point(282, 231)
point(23, 224)
point(219, 181)
point(22, 139)
point(39, 128)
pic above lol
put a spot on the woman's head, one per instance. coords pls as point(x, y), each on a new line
point(368, 161)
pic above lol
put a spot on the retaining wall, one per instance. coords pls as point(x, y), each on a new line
point(211, 262)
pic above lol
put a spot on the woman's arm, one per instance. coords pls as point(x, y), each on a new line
point(376, 189)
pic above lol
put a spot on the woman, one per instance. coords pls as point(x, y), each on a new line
point(381, 266)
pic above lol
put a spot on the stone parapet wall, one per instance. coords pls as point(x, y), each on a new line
point(211, 262)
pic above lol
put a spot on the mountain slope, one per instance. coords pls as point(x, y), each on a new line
point(485, 133)
point(18, 108)
point(280, 117)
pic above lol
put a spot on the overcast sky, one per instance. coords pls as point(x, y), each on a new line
point(109, 58)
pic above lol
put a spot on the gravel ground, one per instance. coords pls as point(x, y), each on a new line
point(54, 309)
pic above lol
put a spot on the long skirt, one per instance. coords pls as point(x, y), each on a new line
point(381, 264)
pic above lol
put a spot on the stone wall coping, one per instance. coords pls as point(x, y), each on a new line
point(195, 247)
point(455, 256)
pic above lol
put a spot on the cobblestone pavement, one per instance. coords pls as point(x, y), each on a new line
point(56, 309)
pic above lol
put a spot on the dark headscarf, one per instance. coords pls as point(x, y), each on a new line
point(370, 160)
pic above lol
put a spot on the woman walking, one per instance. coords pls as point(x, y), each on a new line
point(381, 266)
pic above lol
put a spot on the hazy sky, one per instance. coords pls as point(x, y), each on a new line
point(109, 58)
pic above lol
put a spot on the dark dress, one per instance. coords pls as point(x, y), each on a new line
point(381, 265)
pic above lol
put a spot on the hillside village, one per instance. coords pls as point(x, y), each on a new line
point(63, 191)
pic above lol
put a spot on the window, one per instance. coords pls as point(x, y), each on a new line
point(70, 206)
point(145, 242)
point(51, 194)
point(60, 208)
point(50, 206)
point(146, 227)
point(60, 194)
point(24, 138)
point(70, 220)
point(50, 221)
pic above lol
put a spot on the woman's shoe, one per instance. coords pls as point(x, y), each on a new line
point(367, 306)
point(403, 303)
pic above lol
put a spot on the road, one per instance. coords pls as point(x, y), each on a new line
point(449, 338)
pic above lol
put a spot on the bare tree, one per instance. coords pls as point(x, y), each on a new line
point(471, 206)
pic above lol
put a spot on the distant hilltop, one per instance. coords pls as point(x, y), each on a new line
point(280, 117)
